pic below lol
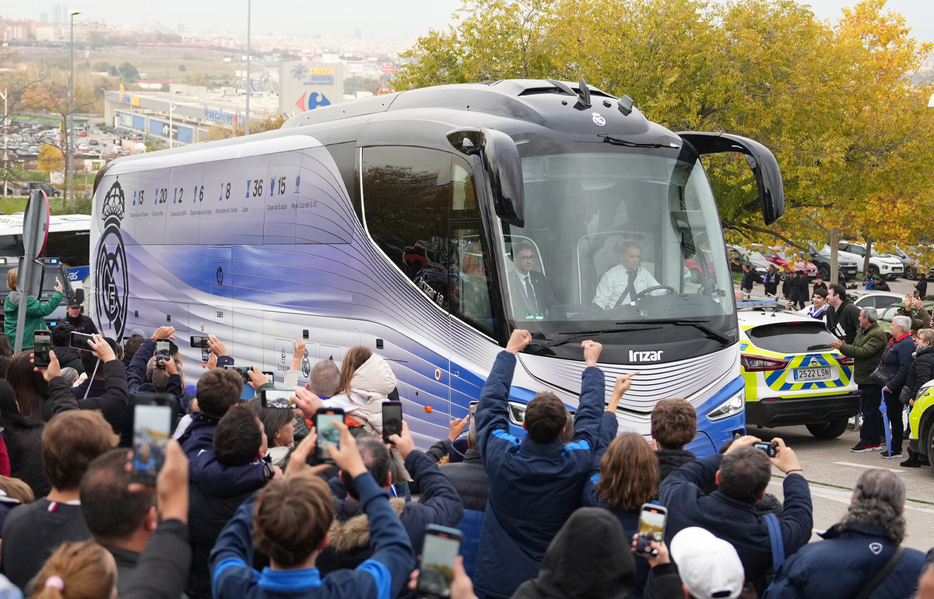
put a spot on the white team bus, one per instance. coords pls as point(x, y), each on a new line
point(390, 222)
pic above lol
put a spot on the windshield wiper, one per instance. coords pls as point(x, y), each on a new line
point(711, 333)
point(616, 141)
point(572, 335)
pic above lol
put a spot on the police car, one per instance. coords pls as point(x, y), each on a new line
point(793, 376)
point(921, 420)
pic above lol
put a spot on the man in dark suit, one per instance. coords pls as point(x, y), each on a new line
point(529, 288)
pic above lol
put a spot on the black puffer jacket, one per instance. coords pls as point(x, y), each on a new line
point(207, 516)
point(25, 448)
point(921, 370)
point(470, 480)
point(68, 357)
point(670, 460)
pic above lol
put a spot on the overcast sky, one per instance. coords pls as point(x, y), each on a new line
point(375, 18)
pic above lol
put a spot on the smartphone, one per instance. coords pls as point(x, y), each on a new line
point(269, 375)
point(241, 370)
point(163, 346)
point(79, 341)
point(42, 342)
point(278, 398)
point(770, 449)
point(439, 549)
point(392, 419)
point(652, 519)
point(327, 432)
point(152, 429)
point(199, 341)
point(205, 354)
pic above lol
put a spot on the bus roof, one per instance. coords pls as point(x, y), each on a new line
point(12, 224)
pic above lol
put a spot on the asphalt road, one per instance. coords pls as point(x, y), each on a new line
point(832, 471)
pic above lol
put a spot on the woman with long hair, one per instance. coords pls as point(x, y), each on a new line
point(83, 570)
point(23, 438)
point(366, 382)
point(629, 478)
point(31, 388)
point(279, 425)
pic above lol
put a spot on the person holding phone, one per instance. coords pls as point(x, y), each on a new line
point(742, 475)
point(291, 523)
point(36, 311)
point(279, 425)
point(439, 503)
point(510, 552)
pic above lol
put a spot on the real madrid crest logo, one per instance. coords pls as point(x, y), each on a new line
point(111, 279)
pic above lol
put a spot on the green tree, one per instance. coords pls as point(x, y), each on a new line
point(128, 71)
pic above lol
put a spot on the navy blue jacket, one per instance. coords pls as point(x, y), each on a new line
point(844, 563)
point(473, 485)
point(380, 577)
point(899, 355)
point(534, 488)
point(734, 521)
point(213, 477)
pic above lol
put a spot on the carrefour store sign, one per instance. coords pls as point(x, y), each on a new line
point(219, 116)
point(308, 85)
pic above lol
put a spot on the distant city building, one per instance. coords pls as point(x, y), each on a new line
point(44, 17)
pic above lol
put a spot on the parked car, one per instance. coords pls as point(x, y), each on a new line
point(921, 422)
point(782, 260)
point(889, 268)
point(40, 185)
point(793, 376)
point(740, 256)
point(880, 300)
point(886, 316)
point(821, 259)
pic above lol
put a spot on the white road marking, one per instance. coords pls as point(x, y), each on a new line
point(895, 470)
point(844, 497)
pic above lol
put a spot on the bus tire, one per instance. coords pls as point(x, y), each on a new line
point(828, 430)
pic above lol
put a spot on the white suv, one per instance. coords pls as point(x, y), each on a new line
point(887, 268)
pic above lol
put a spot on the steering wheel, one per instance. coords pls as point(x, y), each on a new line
point(647, 290)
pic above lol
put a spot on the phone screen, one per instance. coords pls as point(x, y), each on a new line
point(41, 344)
point(152, 426)
point(79, 341)
point(162, 347)
point(327, 433)
point(392, 419)
point(436, 571)
point(199, 341)
point(652, 522)
point(278, 398)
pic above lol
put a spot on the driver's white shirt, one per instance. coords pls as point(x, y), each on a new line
point(614, 283)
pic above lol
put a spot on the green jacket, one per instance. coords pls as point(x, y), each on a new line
point(920, 319)
point(36, 312)
point(866, 350)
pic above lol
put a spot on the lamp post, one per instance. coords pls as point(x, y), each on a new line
point(249, 86)
point(171, 108)
point(6, 134)
point(70, 125)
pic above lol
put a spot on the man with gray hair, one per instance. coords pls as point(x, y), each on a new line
point(325, 379)
point(866, 350)
point(625, 281)
point(897, 359)
point(862, 550)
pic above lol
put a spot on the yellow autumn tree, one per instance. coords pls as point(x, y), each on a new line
point(51, 159)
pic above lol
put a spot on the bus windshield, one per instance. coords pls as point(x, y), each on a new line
point(614, 235)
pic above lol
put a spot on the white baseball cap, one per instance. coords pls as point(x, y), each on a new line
point(709, 567)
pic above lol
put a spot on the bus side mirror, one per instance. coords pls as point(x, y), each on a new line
point(503, 168)
point(761, 160)
point(79, 295)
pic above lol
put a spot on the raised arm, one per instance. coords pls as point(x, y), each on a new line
point(592, 398)
point(492, 412)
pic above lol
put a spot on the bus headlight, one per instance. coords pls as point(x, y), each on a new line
point(517, 412)
point(731, 407)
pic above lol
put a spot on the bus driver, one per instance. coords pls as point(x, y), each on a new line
point(623, 282)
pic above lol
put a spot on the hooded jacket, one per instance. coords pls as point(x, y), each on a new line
point(922, 369)
point(670, 460)
point(212, 476)
point(576, 567)
point(349, 543)
point(36, 312)
point(370, 387)
point(68, 357)
point(852, 554)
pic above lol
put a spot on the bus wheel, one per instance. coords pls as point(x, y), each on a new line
point(828, 430)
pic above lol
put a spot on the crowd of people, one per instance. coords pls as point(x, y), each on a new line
point(241, 507)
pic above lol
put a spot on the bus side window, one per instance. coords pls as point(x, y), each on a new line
point(406, 194)
point(469, 283)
